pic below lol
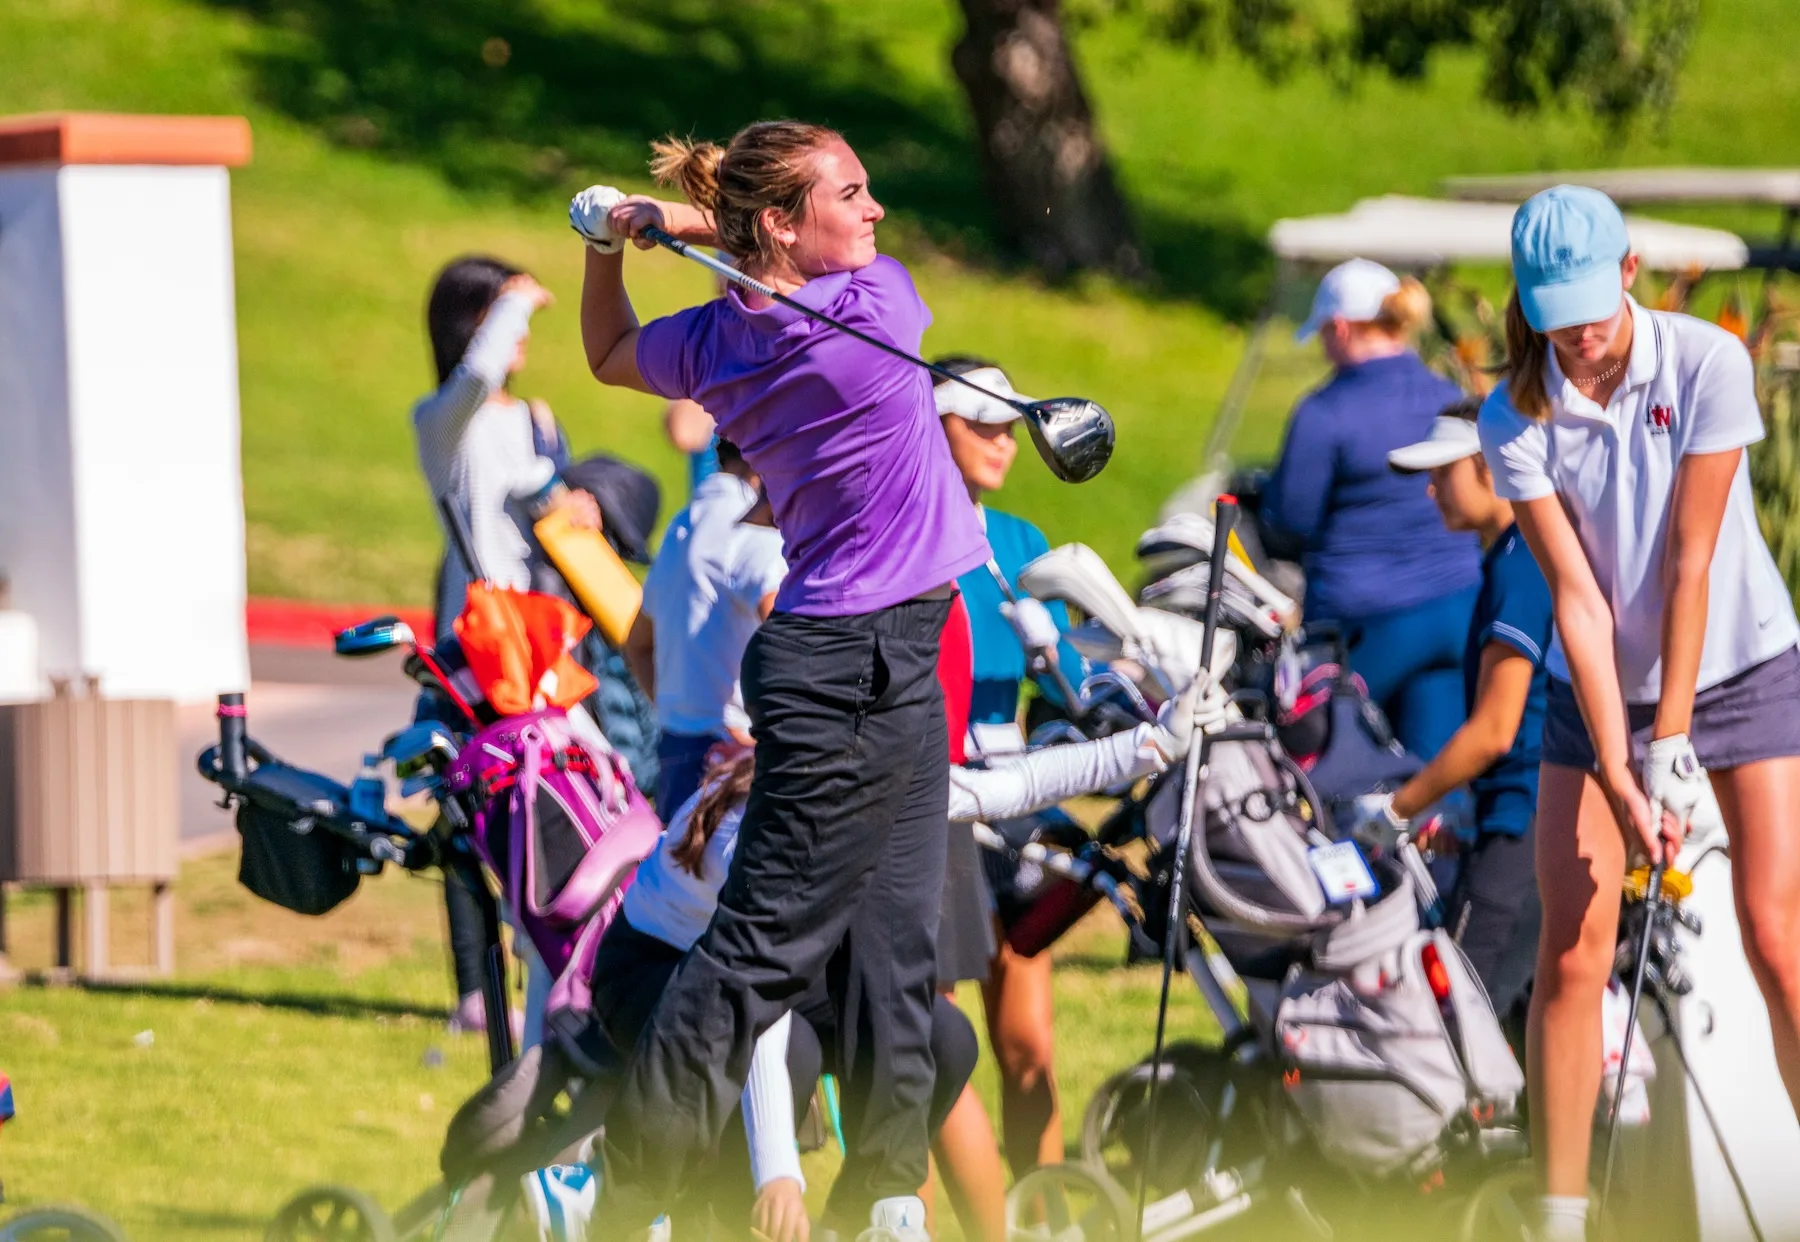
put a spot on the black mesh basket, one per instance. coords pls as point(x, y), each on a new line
point(290, 857)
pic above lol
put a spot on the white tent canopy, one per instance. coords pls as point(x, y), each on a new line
point(1424, 232)
point(1780, 186)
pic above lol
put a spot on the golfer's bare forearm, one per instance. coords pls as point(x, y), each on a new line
point(1702, 487)
point(1467, 754)
point(688, 223)
point(608, 322)
point(1585, 624)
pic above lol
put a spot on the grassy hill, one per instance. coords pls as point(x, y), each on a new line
point(394, 134)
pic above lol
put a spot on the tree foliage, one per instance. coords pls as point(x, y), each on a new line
point(1617, 58)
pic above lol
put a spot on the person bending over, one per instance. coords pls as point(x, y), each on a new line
point(1619, 437)
point(843, 832)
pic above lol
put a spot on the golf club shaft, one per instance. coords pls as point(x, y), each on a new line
point(1051, 668)
point(1652, 899)
point(726, 271)
point(457, 527)
point(1224, 518)
point(1712, 1122)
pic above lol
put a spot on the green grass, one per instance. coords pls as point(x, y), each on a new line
point(385, 145)
point(291, 1051)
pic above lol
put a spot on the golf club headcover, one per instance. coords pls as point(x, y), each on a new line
point(1195, 531)
point(1075, 574)
point(588, 212)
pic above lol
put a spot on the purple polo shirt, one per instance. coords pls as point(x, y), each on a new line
point(872, 509)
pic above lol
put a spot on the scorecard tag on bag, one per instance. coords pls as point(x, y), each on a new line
point(1341, 872)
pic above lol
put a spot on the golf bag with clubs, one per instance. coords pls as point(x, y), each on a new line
point(534, 810)
point(1350, 1030)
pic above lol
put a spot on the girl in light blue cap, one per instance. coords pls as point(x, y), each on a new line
point(1620, 436)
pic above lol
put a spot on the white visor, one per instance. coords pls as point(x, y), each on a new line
point(965, 402)
point(1451, 439)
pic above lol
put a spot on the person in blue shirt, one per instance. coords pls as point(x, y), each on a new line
point(1016, 989)
point(1493, 908)
point(1398, 586)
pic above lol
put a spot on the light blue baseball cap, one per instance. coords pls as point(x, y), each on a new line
point(1567, 245)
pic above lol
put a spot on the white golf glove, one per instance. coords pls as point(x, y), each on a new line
point(1673, 778)
point(588, 213)
point(1032, 622)
point(1201, 708)
point(1373, 822)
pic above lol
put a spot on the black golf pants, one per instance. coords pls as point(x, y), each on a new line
point(841, 848)
point(1494, 914)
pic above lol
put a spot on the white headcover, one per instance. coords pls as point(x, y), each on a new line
point(1167, 645)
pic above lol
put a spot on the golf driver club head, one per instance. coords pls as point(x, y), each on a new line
point(373, 637)
point(1073, 435)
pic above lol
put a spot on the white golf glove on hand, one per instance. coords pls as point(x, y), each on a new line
point(1201, 708)
point(588, 212)
point(1374, 823)
point(1673, 778)
point(1032, 622)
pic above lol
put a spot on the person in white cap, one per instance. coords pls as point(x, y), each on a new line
point(1378, 564)
point(1619, 437)
point(1493, 907)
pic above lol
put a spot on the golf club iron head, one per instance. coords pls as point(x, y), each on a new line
point(420, 747)
point(1074, 436)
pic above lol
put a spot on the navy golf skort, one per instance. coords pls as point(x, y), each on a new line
point(1744, 719)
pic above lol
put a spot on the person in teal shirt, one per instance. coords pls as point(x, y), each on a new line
point(1016, 989)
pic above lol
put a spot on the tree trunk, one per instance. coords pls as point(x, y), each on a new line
point(1048, 176)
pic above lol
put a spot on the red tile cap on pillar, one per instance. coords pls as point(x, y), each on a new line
point(124, 138)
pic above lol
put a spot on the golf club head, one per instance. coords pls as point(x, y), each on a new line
point(372, 637)
point(1074, 436)
point(420, 747)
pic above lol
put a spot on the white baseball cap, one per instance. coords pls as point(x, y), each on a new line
point(1451, 439)
point(965, 402)
point(1354, 291)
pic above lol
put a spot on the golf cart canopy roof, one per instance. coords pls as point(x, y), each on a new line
point(1780, 186)
point(1425, 232)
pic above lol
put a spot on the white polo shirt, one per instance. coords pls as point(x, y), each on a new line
point(1689, 388)
point(702, 595)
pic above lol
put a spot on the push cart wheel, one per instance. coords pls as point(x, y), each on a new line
point(1115, 1125)
point(60, 1224)
point(330, 1214)
point(1068, 1203)
point(1504, 1208)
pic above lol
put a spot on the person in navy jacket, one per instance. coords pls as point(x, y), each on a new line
point(1378, 562)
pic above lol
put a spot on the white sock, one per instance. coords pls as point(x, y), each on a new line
point(1563, 1217)
point(900, 1212)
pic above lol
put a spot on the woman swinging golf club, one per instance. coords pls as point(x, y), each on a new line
point(1619, 437)
point(843, 834)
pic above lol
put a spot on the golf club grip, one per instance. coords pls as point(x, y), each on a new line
point(458, 530)
point(1225, 513)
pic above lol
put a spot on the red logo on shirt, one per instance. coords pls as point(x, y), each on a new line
point(1660, 419)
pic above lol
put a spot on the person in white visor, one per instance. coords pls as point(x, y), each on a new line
point(1619, 435)
point(978, 886)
